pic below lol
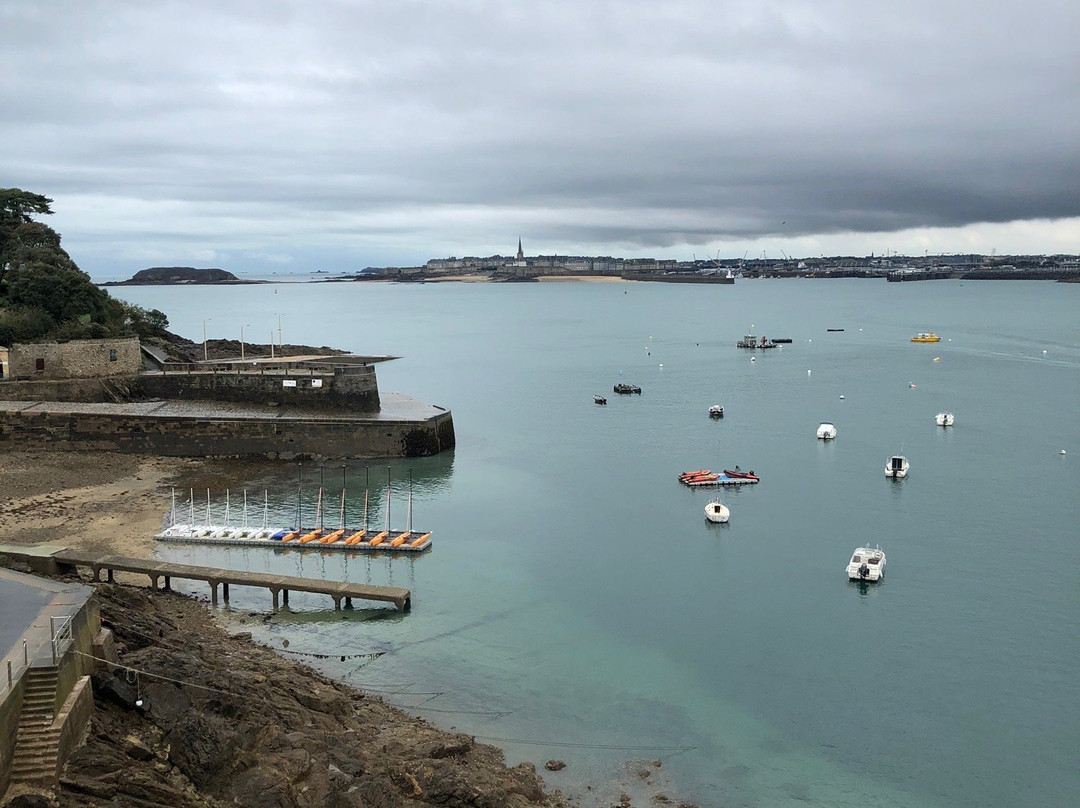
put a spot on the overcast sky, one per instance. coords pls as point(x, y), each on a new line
point(313, 134)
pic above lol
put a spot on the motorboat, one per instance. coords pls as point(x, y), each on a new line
point(867, 564)
point(736, 474)
point(897, 467)
point(716, 411)
point(599, 400)
point(627, 389)
point(926, 336)
point(944, 419)
point(826, 431)
point(717, 511)
point(752, 342)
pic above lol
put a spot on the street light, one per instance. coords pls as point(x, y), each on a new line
point(242, 341)
point(204, 322)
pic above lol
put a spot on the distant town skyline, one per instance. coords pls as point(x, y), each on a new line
point(340, 135)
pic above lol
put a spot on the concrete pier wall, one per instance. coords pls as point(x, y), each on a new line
point(351, 390)
point(197, 436)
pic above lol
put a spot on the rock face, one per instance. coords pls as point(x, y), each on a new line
point(166, 275)
point(227, 722)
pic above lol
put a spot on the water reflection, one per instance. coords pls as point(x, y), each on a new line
point(353, 494)
point(866, 588)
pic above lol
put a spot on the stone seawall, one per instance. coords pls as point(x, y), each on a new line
point(353, 391)
point(418, 430)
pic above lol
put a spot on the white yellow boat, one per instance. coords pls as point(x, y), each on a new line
point(926, 336)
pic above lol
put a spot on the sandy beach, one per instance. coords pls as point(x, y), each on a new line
point(108, 503)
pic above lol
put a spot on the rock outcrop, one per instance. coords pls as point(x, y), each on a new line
point(216, 720)
point(155, 276)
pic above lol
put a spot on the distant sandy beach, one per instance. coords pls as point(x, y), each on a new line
point(583, 278)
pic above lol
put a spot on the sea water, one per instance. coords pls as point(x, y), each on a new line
point(576, 604)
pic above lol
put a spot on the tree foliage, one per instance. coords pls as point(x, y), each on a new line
point(43, 293)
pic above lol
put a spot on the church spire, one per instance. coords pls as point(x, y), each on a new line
point(520, 254)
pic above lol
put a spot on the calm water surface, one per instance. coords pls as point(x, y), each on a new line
point(576, 605)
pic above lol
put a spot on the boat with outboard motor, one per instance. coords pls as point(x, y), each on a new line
point(737, 474)
point(716, 411)
point(867, 564)
point(826, 431)
point(944, 419)
point(897, 467)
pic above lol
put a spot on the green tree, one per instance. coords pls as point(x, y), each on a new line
point(43, 293)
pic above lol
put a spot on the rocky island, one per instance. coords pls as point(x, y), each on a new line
point(162, 276)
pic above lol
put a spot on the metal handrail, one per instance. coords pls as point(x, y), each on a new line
point(63, 636)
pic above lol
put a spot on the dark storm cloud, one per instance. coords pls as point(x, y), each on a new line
point(397, 131)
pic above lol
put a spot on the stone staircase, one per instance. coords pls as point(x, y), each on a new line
point(37, 741)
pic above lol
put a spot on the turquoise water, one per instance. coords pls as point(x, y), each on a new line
point(576, 605)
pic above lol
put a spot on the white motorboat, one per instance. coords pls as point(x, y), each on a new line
point(717, 511)
point(826, 431)
point(867, 564)
point(944, 419)
point(716, 411)
point(897, 467)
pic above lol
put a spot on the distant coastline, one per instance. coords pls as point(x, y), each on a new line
point(1065, 269)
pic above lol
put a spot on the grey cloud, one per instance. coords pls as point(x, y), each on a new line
point(690, 122)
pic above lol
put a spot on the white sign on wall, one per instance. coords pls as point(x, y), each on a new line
point(289, 383)
point(316, 382)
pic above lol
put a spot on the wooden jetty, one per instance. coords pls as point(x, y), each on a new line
point(279, 585)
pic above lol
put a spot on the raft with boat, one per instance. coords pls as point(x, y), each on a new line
point(705, 478)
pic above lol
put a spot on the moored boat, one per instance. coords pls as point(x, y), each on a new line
point(752, 342)
point(737, 474)
point(944, 419)
point(897, 467)
point(599, 400)
point(716, 411)
point(867, 564)
point(717, 511)
point(826, 431)
point(627, 389)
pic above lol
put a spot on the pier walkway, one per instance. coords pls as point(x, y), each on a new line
point(279, 585)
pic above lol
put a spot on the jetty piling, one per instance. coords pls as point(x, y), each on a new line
point(279, 585)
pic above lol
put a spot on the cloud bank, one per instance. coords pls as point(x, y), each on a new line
point(341, 134)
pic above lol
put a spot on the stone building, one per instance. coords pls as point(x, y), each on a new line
point(78, 359)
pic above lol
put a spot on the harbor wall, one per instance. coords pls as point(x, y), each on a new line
point(354, 389)
point(189, 436)
point(349, 390)
point(78, 359)
point(10, 708)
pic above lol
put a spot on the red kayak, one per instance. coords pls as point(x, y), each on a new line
point(740, 475)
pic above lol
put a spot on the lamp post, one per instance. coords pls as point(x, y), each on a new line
point(204, 354)
point(279, 334)
point(242, 341)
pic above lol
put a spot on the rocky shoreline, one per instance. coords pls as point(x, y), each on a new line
point(224, 721)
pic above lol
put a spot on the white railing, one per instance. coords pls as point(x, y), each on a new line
point(62, 636)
